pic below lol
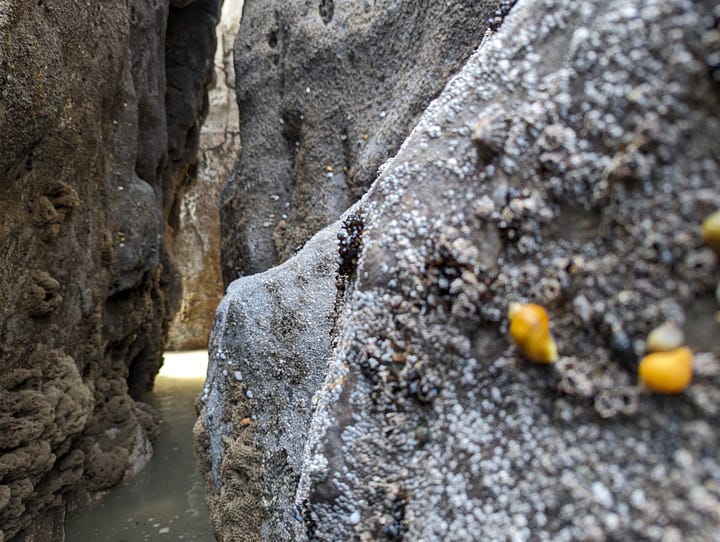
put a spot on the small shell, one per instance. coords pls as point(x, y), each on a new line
point(530, 329)
point(667, 336)
point(489, 135)
point(667, 372)
point(711, 230)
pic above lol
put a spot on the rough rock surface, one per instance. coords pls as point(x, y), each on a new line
point(327, 92)
point(196, 243)
point(92, 143)
point(569, 163)
point(268, 364)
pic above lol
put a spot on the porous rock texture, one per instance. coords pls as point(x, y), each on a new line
point(274, 355)
point(328, 91)
point(196, 243)
point(569, 163)
point(99, 106)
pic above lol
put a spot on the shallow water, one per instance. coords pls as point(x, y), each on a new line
point(166, 500)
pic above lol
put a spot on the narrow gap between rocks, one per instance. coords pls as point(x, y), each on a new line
point(165, 501)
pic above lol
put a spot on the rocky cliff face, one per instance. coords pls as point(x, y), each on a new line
point(570, 163)
point(100, 106)
point(196, 243)
point(327, 92)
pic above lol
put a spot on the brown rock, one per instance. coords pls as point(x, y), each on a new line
point(196, 241)
point(94, 148)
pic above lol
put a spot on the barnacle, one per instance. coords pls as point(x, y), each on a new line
point(711, 230)
point(621, 400)
point(499, 14)
point(530, 329)
point(667, 372)
point(489, 134)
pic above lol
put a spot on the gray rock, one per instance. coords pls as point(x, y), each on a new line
point(269, 355)
point(327, 92)
point(570, 164)
point(137, 221)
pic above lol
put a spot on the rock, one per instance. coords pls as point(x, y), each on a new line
point(586, 197)
point(196, 243)
point(327, 93)
point(93, 150)
point(269, 356)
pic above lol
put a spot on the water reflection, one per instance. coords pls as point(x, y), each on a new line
point(166, 500)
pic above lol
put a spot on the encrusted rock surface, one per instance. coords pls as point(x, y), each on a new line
point(327, 92)
point(92, 148)
point(196, 243)
point(569, 163)
point(269, 356)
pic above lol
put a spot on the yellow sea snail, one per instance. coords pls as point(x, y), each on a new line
point(711, 230)
point(530, 329)
point(667, 372)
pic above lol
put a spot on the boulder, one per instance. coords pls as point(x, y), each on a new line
point(570, 164)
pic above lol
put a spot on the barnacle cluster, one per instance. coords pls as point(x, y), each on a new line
point(499, 14)
point(455, 275)
point(668, 366)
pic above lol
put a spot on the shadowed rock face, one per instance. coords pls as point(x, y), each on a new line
point(93, 149)
point(570, 164)
point(327, 92)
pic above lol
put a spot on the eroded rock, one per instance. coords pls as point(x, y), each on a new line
point(197, 240)
point(327, 92)
point(269, 356)
point(89, 169)
point(429, 424)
